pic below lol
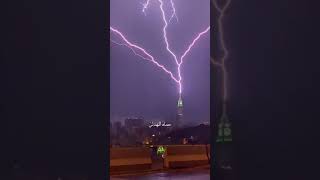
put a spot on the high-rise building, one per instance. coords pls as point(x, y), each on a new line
point(133, 122)
point(224, 144)
point(179, 112)
point(116, 126)
point(134, 128)
point(224, 130)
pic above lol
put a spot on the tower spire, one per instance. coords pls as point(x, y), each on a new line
point(224, 127)
point(180, 103)
point(179, 111)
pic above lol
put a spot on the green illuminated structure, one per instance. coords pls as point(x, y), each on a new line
point(161, 150)
point(224, 131)
point(224, 155)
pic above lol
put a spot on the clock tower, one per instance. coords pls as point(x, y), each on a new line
point(179, 112)
point(223, 152)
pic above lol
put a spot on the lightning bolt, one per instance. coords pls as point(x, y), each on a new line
point(221, 63)
point(173, 11)
point(174, 14)
point(147, 56)
point(168, 46)
point(145, 6)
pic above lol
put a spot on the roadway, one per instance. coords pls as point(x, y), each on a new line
point(190, 174)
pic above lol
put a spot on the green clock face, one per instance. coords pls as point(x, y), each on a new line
point(227, 131)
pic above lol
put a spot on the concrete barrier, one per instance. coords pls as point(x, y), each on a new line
point(130, 159)
point(180, 156)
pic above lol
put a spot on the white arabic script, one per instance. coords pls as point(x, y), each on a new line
point(159, 124)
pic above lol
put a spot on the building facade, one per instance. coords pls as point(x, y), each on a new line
point(179, 118)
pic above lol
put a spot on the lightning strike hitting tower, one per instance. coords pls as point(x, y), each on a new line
point(179, 112)
point(224, 139)
point(178, 59)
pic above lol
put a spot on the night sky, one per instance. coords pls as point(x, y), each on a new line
point(55, 78)
point(274, 87)
point(138, 87)
point(54, 87)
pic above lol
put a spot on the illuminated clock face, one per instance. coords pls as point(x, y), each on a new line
point(227, 131)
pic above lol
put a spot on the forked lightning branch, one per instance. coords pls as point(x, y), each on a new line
point(143, 52)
